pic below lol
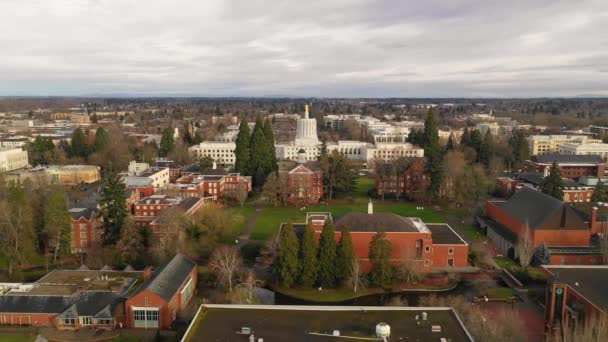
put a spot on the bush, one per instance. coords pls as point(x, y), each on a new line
point(207, 279)
point(251, 251)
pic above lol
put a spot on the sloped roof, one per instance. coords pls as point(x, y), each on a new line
point(167, 279)
point(77, 213)
point(568, 159)
point(86, 303)
point(541, 211)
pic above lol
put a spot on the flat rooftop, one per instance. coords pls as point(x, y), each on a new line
point(318, 323)
point(589, 281)
point(443, 234)
point(66, 282)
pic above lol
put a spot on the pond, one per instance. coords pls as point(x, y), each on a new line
point(464, 288)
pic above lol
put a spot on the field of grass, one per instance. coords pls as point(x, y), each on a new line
point(269, 220)
point(363, 185)
point(239, 216)
point(500, 293)
point(473, 233)
point(16, 338)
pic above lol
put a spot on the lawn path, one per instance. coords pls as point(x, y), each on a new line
point(251, 221)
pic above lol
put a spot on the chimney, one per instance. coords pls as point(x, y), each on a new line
point(593, 223)
point(370, 207)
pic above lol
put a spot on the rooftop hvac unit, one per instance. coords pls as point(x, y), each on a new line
point(424, 316)
point(383, 330)
point(436, 328)
point(245, 330)
point(336, 333)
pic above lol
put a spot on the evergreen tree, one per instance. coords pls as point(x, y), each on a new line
point(432, 152)
point(450, 145)
point(553, 185)
point(346, 255)
point(486, 150)
point(167, 142)
point(308, 257)
point(476, 140)
point(274, 166)
point(113, 208)
point(465, 139)
point(79, 146)
point(241, 152)
point(380, 251)
point(101, 139)
point(41, 151)
point(259, 152)
point(57, 224)
point(599, 193)
point(287, 264)
point(327, 256)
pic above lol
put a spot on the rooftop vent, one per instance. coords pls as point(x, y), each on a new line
point(383, 330)
point(336, 333)
point(436, 328)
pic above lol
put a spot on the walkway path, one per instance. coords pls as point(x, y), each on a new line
point(251, 221)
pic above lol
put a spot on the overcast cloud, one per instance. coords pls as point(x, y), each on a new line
point(349, 48)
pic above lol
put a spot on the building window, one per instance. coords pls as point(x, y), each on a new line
point(427, 248)
point(450, 251)
point(427, 262)
point(83, 235)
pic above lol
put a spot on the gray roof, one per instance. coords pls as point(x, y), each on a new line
point(591, 281)
point(363, 222)
point(541, 211)
point(444, 235)
point(86, 303)
point(187, 203)
point(87, 213)
point(568, 159)
point(168, 278)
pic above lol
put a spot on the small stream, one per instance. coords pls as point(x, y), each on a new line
point(464, 288)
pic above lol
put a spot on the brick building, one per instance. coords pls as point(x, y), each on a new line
point(429, 247)
point(175, 170)
point(161, 297)
point(413, 180)
point(546, 220)
point(214, 182)
point(86, 229)
point(301, 182)
point(574, 295)
point(570, 166)
point(573, 191)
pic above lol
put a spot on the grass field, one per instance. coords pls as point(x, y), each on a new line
point(239, 216)
point(269, 219)
point(362, 187)
point(16, 338)
point(500, 293)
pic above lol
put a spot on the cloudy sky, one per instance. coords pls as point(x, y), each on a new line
point(348, 48)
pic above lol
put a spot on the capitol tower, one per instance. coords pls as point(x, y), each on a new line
point(306, 131)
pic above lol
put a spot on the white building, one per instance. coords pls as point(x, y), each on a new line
point(549, 144)
point(154, 177)
point(12, 159)
point(584, 149)
point(336, 122)
point(391, 134)
point(136, 169)
point(14, 142)
point(220, 151)
point(483, 128)
point(306, 140)
point(393, 151)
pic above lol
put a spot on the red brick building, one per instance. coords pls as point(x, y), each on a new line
point(301, 183)
point(86, 229)
point(161, 297)
point(574, 296)
point(573, 191)
point(413, 180)
point(213, 182)
point(570, 166)
point(427, 246)
point(546, 220)
point(175, 170)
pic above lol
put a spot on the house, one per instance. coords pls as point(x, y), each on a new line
point(574, 295)
point(570, 166)
point(301, 181)
point(411, 181)
point(161, 297)
point(153, 177)
point(86, 229)
point(214, 182)
point(543, 219)
point(429, 247)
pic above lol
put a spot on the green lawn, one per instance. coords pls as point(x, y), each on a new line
point(473, 233)
point(527, 275)
point(16, 338)
point(240, 215)
point(500, 293)
point(270, 219)
point(362, 187)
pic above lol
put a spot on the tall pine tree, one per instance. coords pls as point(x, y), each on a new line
point(599, 193)
point(346, 255)
point(113, 208)
point(327, 256)
point(476, 140)
point(380, 251)
point(486, 150)
point(308, 257)
point(274, 166)
point(465, 139)
point(432, 152)
point(101, 139)
point(79, 146)
point(259, 154)
point(57, 225)
point(450, 145)
point(167, 142)
point(553, 185)
point(241, 152)
point(287, 266)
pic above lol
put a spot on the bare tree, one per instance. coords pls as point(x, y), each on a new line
point(594, 329)
point(357, 277)
point(249, 282)
point(408, 268)
point(241, 192)
point(525, 247)
point(226, 261)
